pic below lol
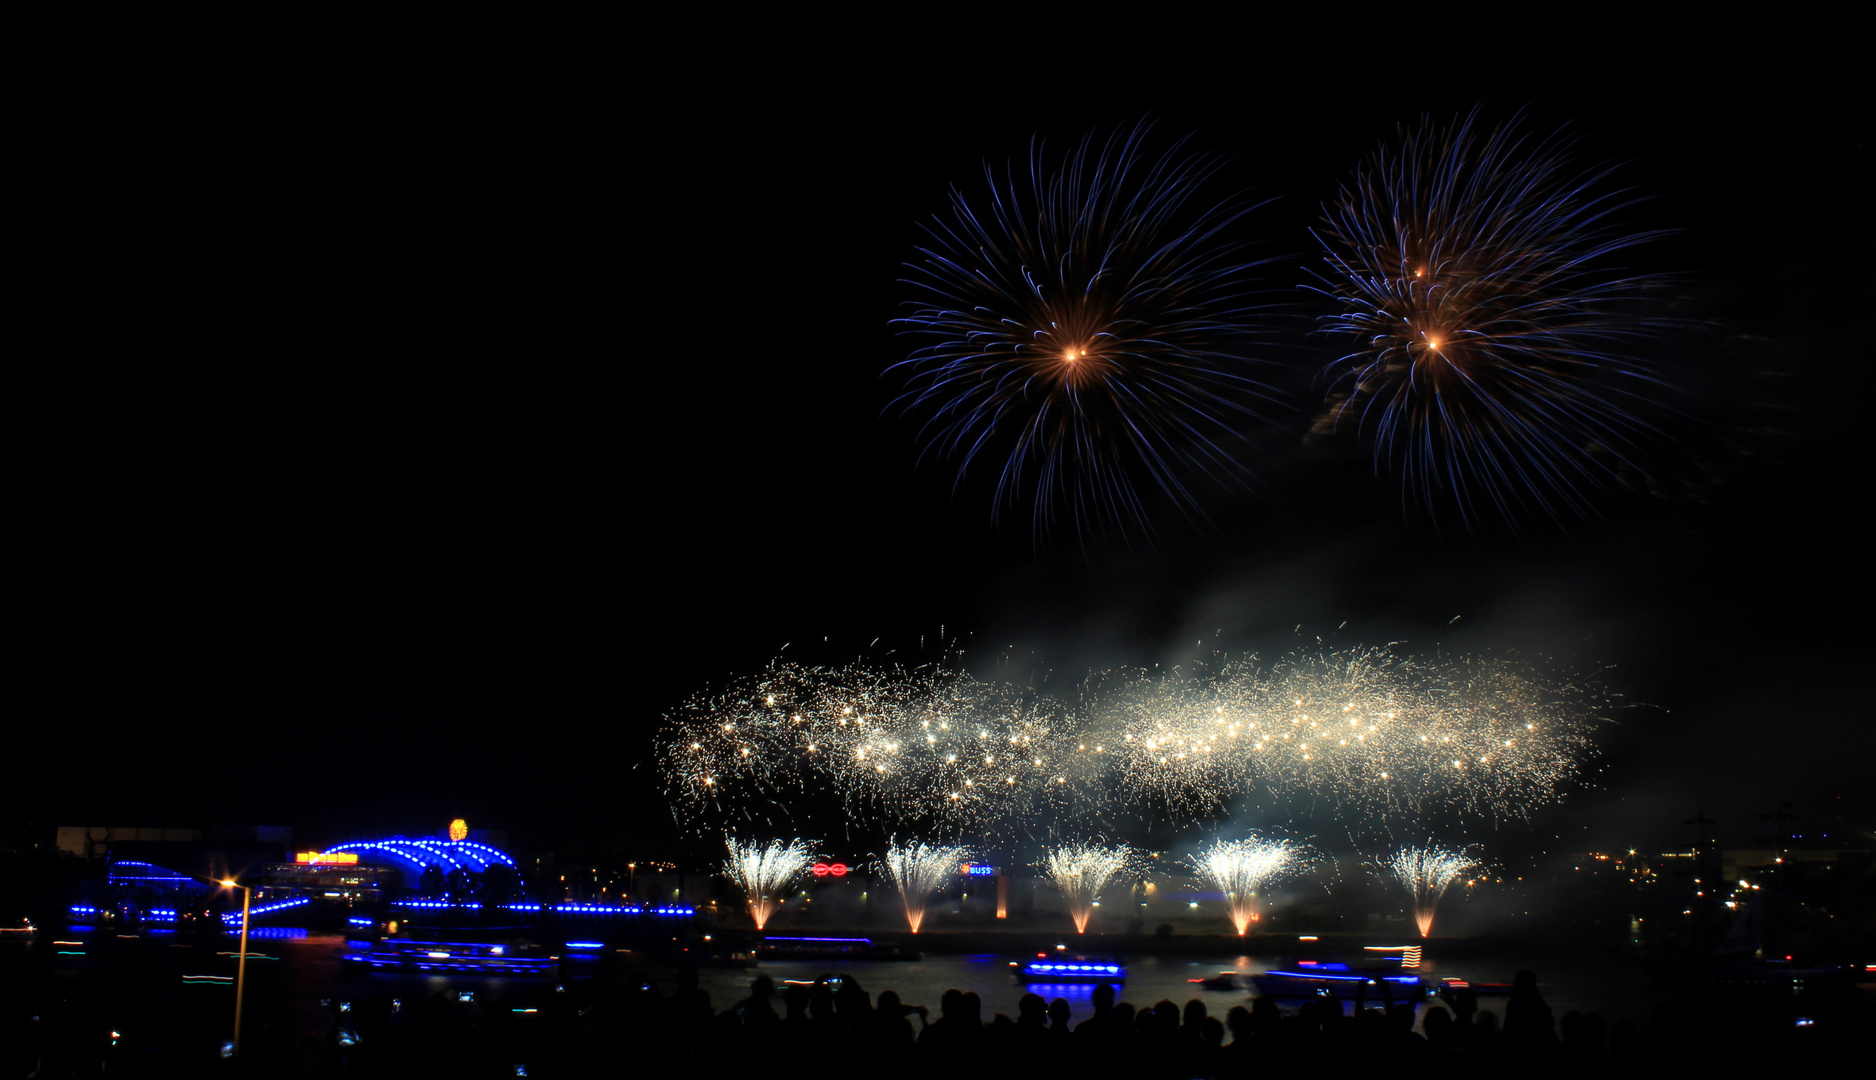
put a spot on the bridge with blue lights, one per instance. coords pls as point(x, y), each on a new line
point(162, 893)
point(466, 855)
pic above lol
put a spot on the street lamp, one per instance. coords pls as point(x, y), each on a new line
point(241, 965)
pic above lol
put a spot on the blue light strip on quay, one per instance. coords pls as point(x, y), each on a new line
point(233, 918)
point(566, 908)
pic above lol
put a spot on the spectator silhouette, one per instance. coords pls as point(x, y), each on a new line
point(1528, 1028)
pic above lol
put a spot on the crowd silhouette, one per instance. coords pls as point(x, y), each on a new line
point(619, 1024)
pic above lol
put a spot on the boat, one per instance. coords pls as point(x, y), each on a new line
point(481, 950)
point(1224, 980)
point(832, 948)
point(1309, 978)
point(1451, 985)
point(1059, 968)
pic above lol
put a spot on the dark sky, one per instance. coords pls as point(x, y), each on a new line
point(395, 442)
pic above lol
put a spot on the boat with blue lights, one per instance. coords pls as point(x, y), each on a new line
point(456, 950)
point(1045, 967)
point(1310, 978)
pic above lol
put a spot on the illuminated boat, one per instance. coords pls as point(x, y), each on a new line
point(1447, 987)
point(482, 950)
point(831, 948)
point(1057, 968)
point(1308, 978)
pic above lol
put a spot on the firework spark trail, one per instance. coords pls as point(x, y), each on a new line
point(1081, 870)
point(1085, 326)
point(930, 748)
point(917, 870)
point(763, 871)
point(1363, 728)
point(1493, 359)
point(1239, 868)
point(936, 752)
point(1427, 872)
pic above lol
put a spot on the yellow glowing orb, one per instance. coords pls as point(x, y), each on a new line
point(459, 829)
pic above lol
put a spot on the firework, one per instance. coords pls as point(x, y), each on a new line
point(1239, 868)
point(1084, 325)
point(1362, 729)
point(1081, 870)
point(1493, 360)
point(917, 870)
point(934, 752)
point(929, 749)
point(1427, 872)
point(763, 871)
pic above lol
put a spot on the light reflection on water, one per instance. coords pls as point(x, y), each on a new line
point(1611, 985)
point(307, 970)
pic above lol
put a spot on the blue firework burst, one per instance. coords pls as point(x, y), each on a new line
point(1493, 364)
point(1084, 326)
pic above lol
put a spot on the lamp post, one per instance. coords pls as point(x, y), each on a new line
point(241, 965)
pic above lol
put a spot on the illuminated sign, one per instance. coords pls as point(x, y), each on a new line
point(822, 869)
point(459, 829)
point(336, 858)
point(979, 869)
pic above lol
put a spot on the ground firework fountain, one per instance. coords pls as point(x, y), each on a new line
point(1427, 872)
point(918, 869)
point(764, 871)
point(1081, 870)
point(1239, 868)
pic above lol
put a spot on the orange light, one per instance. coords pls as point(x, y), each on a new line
point(317, 858)
point(459, 829)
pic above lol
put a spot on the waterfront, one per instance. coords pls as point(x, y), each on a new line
point(169, 997)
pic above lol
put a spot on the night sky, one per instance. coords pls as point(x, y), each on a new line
point(387, 445)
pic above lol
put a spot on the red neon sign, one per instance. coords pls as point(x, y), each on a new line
point(822, 869)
